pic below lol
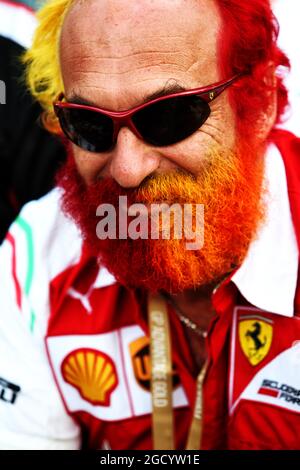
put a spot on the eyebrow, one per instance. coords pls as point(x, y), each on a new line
point(168, 89)
point(77, 99)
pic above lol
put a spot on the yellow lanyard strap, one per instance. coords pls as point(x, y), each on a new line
point(195, 434)
point(161, 382)
point(161, 375)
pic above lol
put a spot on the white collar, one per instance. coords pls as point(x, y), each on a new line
point(268, 276)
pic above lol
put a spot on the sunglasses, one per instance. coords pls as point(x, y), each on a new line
point(160, 122)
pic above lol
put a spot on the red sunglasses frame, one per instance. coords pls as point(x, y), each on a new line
point(124, 118)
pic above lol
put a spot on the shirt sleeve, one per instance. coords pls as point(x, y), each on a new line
point(32, 414)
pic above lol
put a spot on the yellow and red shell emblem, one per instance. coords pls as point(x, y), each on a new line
point(92, 373)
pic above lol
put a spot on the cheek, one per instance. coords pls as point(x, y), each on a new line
point(191, 153)
point(89, 165)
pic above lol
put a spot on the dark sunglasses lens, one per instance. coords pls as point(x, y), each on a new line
point(89, 130)
point(172, 120)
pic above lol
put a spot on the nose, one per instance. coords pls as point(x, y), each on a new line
point(132, 160)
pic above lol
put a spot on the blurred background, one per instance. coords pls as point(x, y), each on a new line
point(29, 156)
point(288, 15)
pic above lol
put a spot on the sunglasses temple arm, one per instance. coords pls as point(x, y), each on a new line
point(211, 95)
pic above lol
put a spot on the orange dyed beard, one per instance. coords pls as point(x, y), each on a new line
point(229, 188)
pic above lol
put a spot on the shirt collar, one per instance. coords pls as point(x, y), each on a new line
point(268, 276)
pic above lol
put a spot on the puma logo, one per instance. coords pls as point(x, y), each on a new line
point(84, 299)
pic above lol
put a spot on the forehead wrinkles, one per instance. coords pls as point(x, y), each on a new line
point(102, 59)
point(115, 30)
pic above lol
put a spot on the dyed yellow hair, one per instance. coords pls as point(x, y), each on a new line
point(43, 75)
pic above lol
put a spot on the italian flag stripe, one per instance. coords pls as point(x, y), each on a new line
point(25, 227)
point(30, 252)
point(11, 240)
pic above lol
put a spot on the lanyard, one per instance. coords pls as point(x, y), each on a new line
point(161, 382)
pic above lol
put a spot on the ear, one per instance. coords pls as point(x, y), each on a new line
point(267, 117)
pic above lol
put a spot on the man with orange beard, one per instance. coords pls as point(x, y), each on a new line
point(156, 320)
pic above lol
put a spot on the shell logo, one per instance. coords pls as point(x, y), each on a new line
point(92, 373)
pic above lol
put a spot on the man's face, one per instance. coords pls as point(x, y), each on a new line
point(115, 54)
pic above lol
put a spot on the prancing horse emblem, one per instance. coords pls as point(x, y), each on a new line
point(254, 334)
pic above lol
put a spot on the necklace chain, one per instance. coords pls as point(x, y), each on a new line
point(184, 319)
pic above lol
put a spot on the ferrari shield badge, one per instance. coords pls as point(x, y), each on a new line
point(255, 336)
